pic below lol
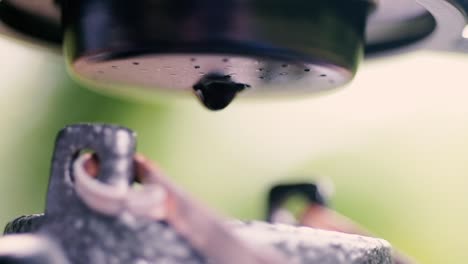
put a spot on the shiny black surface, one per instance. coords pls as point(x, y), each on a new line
point(394, 24)
point(274, 28)
point(274, 46)
point(216, 91)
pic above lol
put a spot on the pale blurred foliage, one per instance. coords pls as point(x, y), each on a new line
point(395, 143)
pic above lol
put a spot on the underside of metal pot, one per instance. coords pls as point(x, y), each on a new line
point(266, 47)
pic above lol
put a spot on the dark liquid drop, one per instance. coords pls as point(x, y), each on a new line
point(216, 91)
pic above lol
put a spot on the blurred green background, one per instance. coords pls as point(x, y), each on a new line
point(394, 142)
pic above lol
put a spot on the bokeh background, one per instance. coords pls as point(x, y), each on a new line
point(394, 142)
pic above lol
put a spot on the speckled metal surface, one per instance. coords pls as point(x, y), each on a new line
point(86, 236)
point(309, 246)
point(301, 245)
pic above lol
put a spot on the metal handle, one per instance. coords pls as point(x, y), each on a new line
point(113, 145)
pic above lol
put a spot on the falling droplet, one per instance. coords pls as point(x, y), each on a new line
point(216, 91)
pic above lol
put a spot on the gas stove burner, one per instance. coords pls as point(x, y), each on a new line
point(274, 47)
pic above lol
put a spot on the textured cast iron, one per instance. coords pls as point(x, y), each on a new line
point(86, 236)
point(90, 237)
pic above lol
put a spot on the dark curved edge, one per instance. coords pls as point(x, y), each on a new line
point(24, 224)
point(214, 47)
point(37, 27)
point(279, 194)
point(417, 29)
point(463, 4)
